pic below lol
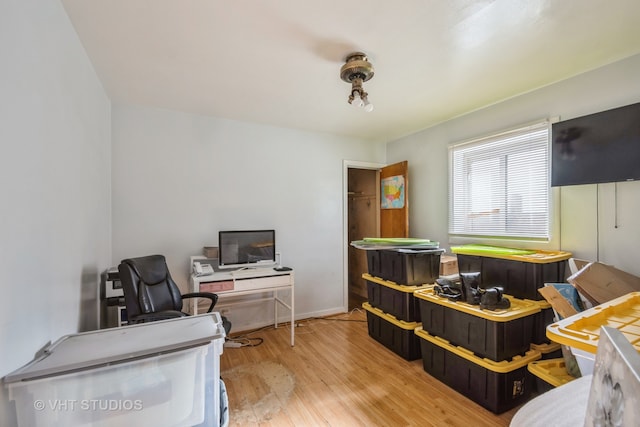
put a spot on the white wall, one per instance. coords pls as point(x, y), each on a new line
point(54, 183)
point(587, 215)
point(179, 178)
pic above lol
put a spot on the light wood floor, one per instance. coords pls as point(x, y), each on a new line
point(336, 375)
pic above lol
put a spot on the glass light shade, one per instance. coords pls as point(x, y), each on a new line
point(368, 107)
point(357, 101)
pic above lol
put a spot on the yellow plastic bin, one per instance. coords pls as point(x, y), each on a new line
point(497, 386)
point(495, 334)
point(551, 350)
point(549, 373)
point(581, 331)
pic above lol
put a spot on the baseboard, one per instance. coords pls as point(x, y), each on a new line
point(283, 320)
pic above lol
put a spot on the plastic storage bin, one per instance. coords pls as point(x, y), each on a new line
point(551, 350)
point(497, 386)
point(405, 266)
point(549, 373)
point(497, 335)
point(396, 335)
point(581, 331)
point(396, 300)
point(163, 373)
point(520, 273)
point(544, 318)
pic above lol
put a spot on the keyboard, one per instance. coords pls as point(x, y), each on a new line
point(251, 272)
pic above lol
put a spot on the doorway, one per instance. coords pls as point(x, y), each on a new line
point(363, 220)
point(365, 217)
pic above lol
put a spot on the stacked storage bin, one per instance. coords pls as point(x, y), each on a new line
point(392, 311)
point(581, 332)
point(480, 353)
point(485, 354)
point(549, 373)
point(521, 273)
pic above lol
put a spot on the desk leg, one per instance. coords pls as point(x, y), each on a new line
point(275, 308)
point(293, 324)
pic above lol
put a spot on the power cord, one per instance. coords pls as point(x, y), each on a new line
point(355, 310)
point(245, 340)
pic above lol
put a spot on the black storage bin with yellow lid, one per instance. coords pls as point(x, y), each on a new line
point(497, 335)
point(541, 321)
point(497, 386)
point(396, 335)
point(391, 298)
point(408, 267)
point(519, 272)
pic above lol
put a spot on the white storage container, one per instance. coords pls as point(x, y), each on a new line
point(156, 374)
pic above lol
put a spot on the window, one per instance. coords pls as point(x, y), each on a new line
point(499, 185)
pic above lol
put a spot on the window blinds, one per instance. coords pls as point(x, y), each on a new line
point(499, 185)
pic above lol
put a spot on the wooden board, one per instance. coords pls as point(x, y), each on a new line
point(557, 301)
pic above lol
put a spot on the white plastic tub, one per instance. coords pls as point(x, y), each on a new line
point(585, 360)
point(157, 374)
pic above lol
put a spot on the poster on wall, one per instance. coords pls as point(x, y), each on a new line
point(393, 192)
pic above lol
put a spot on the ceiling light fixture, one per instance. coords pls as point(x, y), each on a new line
point(356, 71)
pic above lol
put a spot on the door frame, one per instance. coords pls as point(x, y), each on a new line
point(346, 165)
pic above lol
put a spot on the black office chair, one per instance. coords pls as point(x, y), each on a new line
point(150, 293)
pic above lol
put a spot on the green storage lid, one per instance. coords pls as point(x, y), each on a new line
point(378, 243)
point(519, 307)
point(399, 240)
point(501, 367)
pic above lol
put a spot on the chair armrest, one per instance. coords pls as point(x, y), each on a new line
point(152, 317)
point(209, 295)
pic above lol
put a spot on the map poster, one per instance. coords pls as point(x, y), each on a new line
point(393, 192)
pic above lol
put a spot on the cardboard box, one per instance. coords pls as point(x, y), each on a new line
point(448, 265)
point(600, 283)
point(210, 251)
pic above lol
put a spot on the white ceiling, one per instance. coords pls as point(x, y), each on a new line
point(277, 62)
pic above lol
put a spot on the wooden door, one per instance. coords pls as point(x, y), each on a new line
point(394, 200)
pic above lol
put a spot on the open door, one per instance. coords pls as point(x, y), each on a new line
point(394, 200)
point(368, 215)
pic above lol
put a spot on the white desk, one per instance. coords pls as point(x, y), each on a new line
point(247, 282)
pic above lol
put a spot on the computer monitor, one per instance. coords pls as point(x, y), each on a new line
point(246, 248)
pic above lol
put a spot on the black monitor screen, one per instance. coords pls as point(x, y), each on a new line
point(598, 148)
point(246, 247)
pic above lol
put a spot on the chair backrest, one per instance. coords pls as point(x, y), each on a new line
point(148, 286)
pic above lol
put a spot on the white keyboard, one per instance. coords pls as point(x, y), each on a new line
point(252, 272)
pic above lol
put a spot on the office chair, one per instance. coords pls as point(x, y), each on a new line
point(150, 293)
